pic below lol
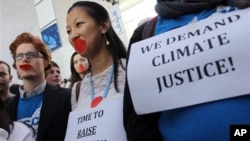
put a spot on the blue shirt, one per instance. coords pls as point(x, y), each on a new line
point(208, 121)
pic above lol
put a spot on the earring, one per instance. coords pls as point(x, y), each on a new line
point(107, 42)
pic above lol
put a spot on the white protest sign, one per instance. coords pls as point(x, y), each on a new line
point(197, 63)
point(103, 123)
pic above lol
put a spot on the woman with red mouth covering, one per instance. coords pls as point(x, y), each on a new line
point(79, 66)
point(101, 91)
point(41, 106)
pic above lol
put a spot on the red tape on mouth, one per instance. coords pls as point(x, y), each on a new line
point(26, 67)
point(81, 68)
point(80, 45)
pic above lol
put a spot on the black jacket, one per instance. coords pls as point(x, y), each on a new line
point(54, 113)
point(138, 127)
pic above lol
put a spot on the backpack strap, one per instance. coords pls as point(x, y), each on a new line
point(149, 28)
point(78, 86)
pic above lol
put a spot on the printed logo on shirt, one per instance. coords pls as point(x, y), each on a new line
point(33, 121)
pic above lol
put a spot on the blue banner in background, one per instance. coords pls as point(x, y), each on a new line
point(51, 37)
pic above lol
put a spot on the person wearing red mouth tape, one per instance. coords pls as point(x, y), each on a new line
point(40, 105)
point(101, 91)
point(79, 66)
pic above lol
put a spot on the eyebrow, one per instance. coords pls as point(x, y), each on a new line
point(74, 21)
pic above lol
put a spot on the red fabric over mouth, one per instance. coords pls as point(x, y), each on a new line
point(25, 67)
point(80, 45)
point(81, 68)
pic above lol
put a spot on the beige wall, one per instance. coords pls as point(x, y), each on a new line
point(16, 16)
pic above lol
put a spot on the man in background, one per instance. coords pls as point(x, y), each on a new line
point(53, 74)
point(5, 80)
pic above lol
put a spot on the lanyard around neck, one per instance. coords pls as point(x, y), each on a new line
point(105, 93)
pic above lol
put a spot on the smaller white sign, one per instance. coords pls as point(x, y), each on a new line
point(103, 123)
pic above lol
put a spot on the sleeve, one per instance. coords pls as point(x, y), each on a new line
point(3, 135)
point(20, 132)
point(138, 127)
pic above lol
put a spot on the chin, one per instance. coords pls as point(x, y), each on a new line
point(84, 54)
point(29, 77)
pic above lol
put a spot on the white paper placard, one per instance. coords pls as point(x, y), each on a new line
point(197, 63)
point(102, 123)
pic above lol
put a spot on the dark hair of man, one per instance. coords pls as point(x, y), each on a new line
point(100, 16)
point(8, 66)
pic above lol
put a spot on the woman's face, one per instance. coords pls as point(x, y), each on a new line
point(84, 32)
point(81, 64)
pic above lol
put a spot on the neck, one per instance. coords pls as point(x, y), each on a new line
point(4, 95)
point(100, 63)
point(81, 75)
point(30, 85)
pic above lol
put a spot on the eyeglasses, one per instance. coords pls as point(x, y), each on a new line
point(28, 55)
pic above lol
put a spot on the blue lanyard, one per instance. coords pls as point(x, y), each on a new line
point(107, 85)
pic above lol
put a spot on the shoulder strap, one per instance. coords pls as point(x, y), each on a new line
point(149, 28)
point(78, 85)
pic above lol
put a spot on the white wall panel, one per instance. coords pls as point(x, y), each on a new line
point(45, 13)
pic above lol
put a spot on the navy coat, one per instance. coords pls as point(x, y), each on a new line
point(54, 113)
